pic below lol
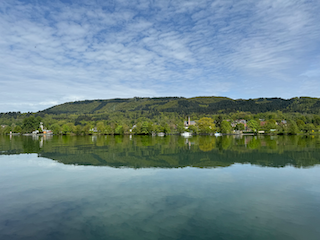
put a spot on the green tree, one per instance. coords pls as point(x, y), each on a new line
point(17, 129)
point(66, 129)
point(38, 119)
point(309, 128)
point(301, 124)
point(225, 127)
point(101, 127)
point(86, 129)
point(109, 130)
point(30, 124)
point(240, 127)
point(78, 129)
point(112, 128)
point(292, 127)
point(7, 130)
point(316, 120)
point(55, 128)
point(159, 128)
point(206, 125)
point(193, 129)
point(144, 127)
point(166, 128)
point(253, 125)
point(125, 128)
point(219, 121)
point(180, 127)
point(137, 129)
point(151, 127)
point(270, 124)
point(72, 127)
point(119, 130)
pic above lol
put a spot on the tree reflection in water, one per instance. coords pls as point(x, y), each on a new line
point(169, 151)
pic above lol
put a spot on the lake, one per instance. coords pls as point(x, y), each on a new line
point(143, 187)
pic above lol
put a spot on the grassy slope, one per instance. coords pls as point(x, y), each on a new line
point(210, 105)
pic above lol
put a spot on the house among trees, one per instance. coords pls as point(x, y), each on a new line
point(46, 131)
point(94, 130)
point(242, 121)
point(284, 122)
point(43, 130)
point(262, 123)
point(189, 123)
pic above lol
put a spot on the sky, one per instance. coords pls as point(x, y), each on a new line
point(52, 52)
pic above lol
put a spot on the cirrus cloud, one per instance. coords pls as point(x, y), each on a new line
point(57, 51)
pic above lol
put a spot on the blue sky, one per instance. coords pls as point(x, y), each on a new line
point(53, 52)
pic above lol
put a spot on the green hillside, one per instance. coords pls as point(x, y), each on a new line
point(167, 114)
point(200, 105)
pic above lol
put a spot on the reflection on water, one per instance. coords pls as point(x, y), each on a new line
point(159, 188)
point(171, 151)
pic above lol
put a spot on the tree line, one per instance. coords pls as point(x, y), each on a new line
point(169, 123)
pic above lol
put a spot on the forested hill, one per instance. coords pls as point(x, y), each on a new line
point(180, 105)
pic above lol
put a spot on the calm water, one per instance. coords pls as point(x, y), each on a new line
point(160, 187)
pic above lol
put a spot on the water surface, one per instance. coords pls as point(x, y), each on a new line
point(160, 187)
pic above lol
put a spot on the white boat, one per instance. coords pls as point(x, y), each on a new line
point(218, 134)
point(186, 134)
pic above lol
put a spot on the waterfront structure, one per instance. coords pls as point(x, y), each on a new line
point(189, 122)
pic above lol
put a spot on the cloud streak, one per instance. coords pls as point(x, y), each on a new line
point(52, 52)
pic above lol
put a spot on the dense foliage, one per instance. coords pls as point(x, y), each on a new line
point(206, 105)
point(167, 115)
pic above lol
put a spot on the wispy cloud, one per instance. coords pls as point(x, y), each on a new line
point(52, 51)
